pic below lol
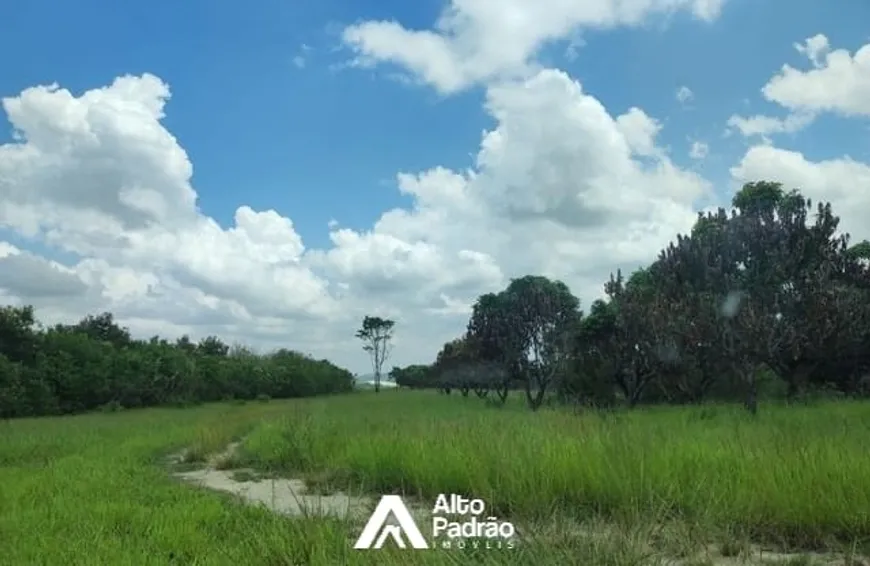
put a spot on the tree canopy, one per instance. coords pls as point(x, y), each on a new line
point(767, 298)
point(96, 364)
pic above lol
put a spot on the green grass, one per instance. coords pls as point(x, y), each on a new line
point(622, 489)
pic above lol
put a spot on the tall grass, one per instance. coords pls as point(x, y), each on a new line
point(94, 489)
point(801, 474)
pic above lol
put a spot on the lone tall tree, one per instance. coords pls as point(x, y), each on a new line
point(376, 333)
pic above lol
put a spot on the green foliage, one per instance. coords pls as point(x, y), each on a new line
point(525, 333)
point(413, 376)
point(767, 299)
point(95, 364)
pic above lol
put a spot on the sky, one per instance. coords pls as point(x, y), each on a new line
point(272, 173)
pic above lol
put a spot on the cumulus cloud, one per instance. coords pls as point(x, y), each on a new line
point(559, 186)
point(764, 126)
point(475, 41)
point(28, 276)
point(98, 175)
point(553, 179)
point(838, 82)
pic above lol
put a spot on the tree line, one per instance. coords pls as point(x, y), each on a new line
point(96, 364)
point(767, 298)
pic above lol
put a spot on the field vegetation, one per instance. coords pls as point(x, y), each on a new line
point(698, 485)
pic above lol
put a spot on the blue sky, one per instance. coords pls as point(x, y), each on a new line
point(319, 143)
point(312, 142)
point(325, 140)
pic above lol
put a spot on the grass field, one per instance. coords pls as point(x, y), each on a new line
point(694, 485)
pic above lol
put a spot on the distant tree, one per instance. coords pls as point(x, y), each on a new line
point(376, 334)
point(212, 346)
point(459, 366)
point(413, 376)
point(103, 327)
point(184, 343)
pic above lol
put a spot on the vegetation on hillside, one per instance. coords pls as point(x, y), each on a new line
point(97, 364)
point(768, 298)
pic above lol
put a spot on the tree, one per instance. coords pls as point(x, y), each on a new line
point(414, 376)
point(593, 360)
point(376, 334)
point(527, 329)
point(103, 327)
point(641, 342)
point(18, 333)
point(783, 289)
point(489, 336)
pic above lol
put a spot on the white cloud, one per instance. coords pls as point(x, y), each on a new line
point(838, 82)
point(559, 187)
point(476, 41)
point(684, 94)
point(99, 176)
point(814, 48)
point(699, 150)
point(22, 272)
point(764, 126)
point(640, 131)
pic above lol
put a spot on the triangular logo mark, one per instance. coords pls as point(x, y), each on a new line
point(391, 504)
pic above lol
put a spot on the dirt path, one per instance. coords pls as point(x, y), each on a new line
point(280, 495)
point(291, 497)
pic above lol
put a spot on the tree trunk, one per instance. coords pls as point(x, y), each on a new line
point(752, 393)
point(502, 392)
point(535, 399)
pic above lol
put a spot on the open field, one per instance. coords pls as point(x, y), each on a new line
point(687, 486)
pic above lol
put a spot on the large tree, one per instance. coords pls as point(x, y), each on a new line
point(779, 281)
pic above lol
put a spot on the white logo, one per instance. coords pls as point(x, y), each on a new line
point(478, 530)
point(387, 505)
